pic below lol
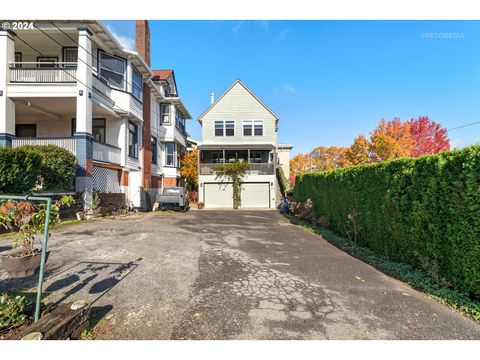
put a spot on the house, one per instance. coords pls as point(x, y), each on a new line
point(72, 84)
point(283, 155)
point(238, 125)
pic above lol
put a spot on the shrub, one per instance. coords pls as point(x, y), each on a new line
point(12, 310)
point(418, 211)
point(57, 169)
point(19, 170)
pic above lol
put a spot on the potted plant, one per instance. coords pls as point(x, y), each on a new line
point(200, 205)
point(29, 220)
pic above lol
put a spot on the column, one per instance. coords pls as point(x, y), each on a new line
point(83, 132)
point(7, 106)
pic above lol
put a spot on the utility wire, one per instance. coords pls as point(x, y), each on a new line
point(463, 126)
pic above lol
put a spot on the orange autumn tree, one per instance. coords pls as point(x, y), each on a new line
point(189, 169)
point(391, 140)
point(359, 152)
point(327, 158)
point(300, 163)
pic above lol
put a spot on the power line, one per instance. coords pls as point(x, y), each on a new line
point(463, 126)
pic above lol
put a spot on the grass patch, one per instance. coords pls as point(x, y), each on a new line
point(416, 278)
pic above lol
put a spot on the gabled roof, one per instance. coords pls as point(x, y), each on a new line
point(238, 81)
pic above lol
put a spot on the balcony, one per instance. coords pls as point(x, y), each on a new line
point(253, 168)
point(63, 142)
point(107, 153)
point(44, 73)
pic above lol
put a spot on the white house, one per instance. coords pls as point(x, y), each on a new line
point(71, 84)
point(238, 125)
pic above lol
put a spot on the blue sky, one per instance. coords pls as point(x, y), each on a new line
point(328, 81)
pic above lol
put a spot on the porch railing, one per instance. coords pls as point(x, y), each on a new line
point(253, 168)
point(107, 153)
point(64, 142)
point(41, 72)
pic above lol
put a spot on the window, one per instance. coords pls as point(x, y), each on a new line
point(98, 130)
point(47, 61)
point(26, 130)
point(137, 83)
point(70, 55)
point(18, 59)
point(171, 156)
point(179, 120)
point(229, 128)
point(154, 150)
point(247, 128)
point(217, 157)
point(165, 114)
point(258, 128)
point(218, 128)
point(255, 157)
point(112, 68)
point(132, 140)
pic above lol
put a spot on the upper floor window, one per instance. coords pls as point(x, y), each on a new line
point(247, 128)
point(179, 120)
point(224, 128)
point(154, 150)
point(70, 56)
point(218, 128)
point(258, 128)
point(132, 140)
point(137, 83)
point(98, 130)
point(112, 68)
point(165, 114)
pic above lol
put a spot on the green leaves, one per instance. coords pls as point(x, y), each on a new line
point(12, 310)
point(235, 172)
point(423, 211)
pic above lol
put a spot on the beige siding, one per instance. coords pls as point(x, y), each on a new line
point(239, 105)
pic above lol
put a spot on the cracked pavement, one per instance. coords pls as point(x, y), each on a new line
point(232, 275)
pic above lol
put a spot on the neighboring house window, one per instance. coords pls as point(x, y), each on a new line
point(171, 154)
point(18, 59)
point(137, 83)
point(247, 128)
point(98, 130)
point(47, 61)
point(154, 150)
point(70, 55)
point(179, 120)
point(229, 128)
point(165, 114)
point(26, 130)
point(218, 128)
point(258, 128)
point(112, 68)
point(132, 140)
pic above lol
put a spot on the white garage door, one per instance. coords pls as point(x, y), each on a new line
point(218, 196)
point(255, 195)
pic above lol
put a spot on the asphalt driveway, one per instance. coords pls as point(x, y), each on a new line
point(231, 275)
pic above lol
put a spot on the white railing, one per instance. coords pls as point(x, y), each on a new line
point(107, 153)
point(43, 72)
point(64, 142)
point(253, 168)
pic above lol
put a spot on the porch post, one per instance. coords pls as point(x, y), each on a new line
point(7, 106)
point(83, 132)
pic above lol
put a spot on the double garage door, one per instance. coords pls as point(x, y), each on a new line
point(254, 195)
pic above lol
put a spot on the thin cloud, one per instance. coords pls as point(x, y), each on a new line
point(288, 89)
point(262, 26)
point(126, 41)
point(237, 27)
point(283, 34)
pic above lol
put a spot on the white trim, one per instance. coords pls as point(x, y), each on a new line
point(253, 128)
point(224, 128)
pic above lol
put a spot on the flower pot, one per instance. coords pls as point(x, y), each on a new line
point(200, 205)
point(18, 267)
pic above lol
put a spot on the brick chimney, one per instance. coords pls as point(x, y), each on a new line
point(142, 39)
point(142, 45)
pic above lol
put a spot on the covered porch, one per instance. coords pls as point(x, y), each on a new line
point(261, 158)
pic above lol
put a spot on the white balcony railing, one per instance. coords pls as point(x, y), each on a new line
point(253, 168)
point(64, 142)
point(107, 153)
point(41, 72)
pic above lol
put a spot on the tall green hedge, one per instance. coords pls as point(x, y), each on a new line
point(423, 211)
point(47, 168)
point(19, 170)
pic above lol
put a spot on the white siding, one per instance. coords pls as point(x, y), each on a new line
point(239, 105)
